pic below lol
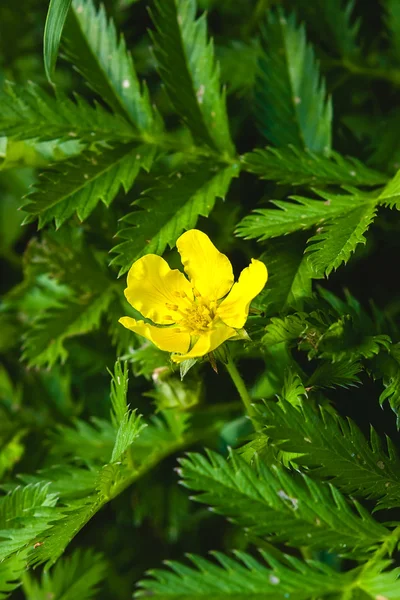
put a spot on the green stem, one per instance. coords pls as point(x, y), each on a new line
point(241, 388)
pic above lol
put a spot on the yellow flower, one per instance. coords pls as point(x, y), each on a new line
point(191, 317)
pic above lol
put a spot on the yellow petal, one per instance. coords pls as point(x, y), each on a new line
point(234, 309)
point(207, 342)
point(152, 285)
point(209, 271)
point(170, 339)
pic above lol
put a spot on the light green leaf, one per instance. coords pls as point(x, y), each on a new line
point(390, 195)
point(294, 166)
point(11, 570)
point(290, 101)
point(187, 66)
point(243, 577)
point(167, 210)
point(336, 240)
point(55, 20)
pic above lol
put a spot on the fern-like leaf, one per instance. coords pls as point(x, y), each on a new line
point(270, 502)
point(290, 101)
point(77, 186)
point(295, 166)
point(390, 195)
point(334, 23)
point(11, 570)
point(336, 240)
point(96, 50)
point(44, 342)
point(28, 112)
point(187, 66)
point(265, 223)
point(24, 514)
point(243, 577)
point(289, 276)
point(168, 209)
point(332, 447)
point(77, 576)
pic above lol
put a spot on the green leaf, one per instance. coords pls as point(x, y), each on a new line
point(24, 514)
point(336, 240)
point(78, 185)
point(269, 501)
point(55, 20)
point(334, 23)
point(243, 577)
point(390, 195)
point(341, 373)
point(392, 21)
point(290, 100)
point(285, 329)
point(238, 62)
point(265, 223)
point(168, 209)
point(28, 112)
point(11, 570)
point(289, 281)
point(188, 69)
point(44, 341)
point(77, 576)
point(294, 166)
point(332, 447)
point(127, 423)
point(99, 53)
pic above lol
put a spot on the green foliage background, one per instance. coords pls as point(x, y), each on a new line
point(274, 127)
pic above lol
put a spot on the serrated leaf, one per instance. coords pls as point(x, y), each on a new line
point(25, 513)
point(294, 166)
point(99, 53)
point(44, 341)
point(390, 195)
point(56, 16)
point(334, 23)
point(341, 373)
point(78, 185)
point(270, 502)
point(11, 570)
point(169, 209)
point(290, 100)
point(77, 576)
point(289, 276)
point(188, 69)
point(28, 112)
point(265, 223)
point(332, 447)
point(243, 577)
point(336, 240)
point(285, 329)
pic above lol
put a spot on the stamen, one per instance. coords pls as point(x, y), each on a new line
point(173, 307)
point(196, 293)
point(169, 318)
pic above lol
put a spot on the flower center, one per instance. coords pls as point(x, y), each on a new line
point(198, 317)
